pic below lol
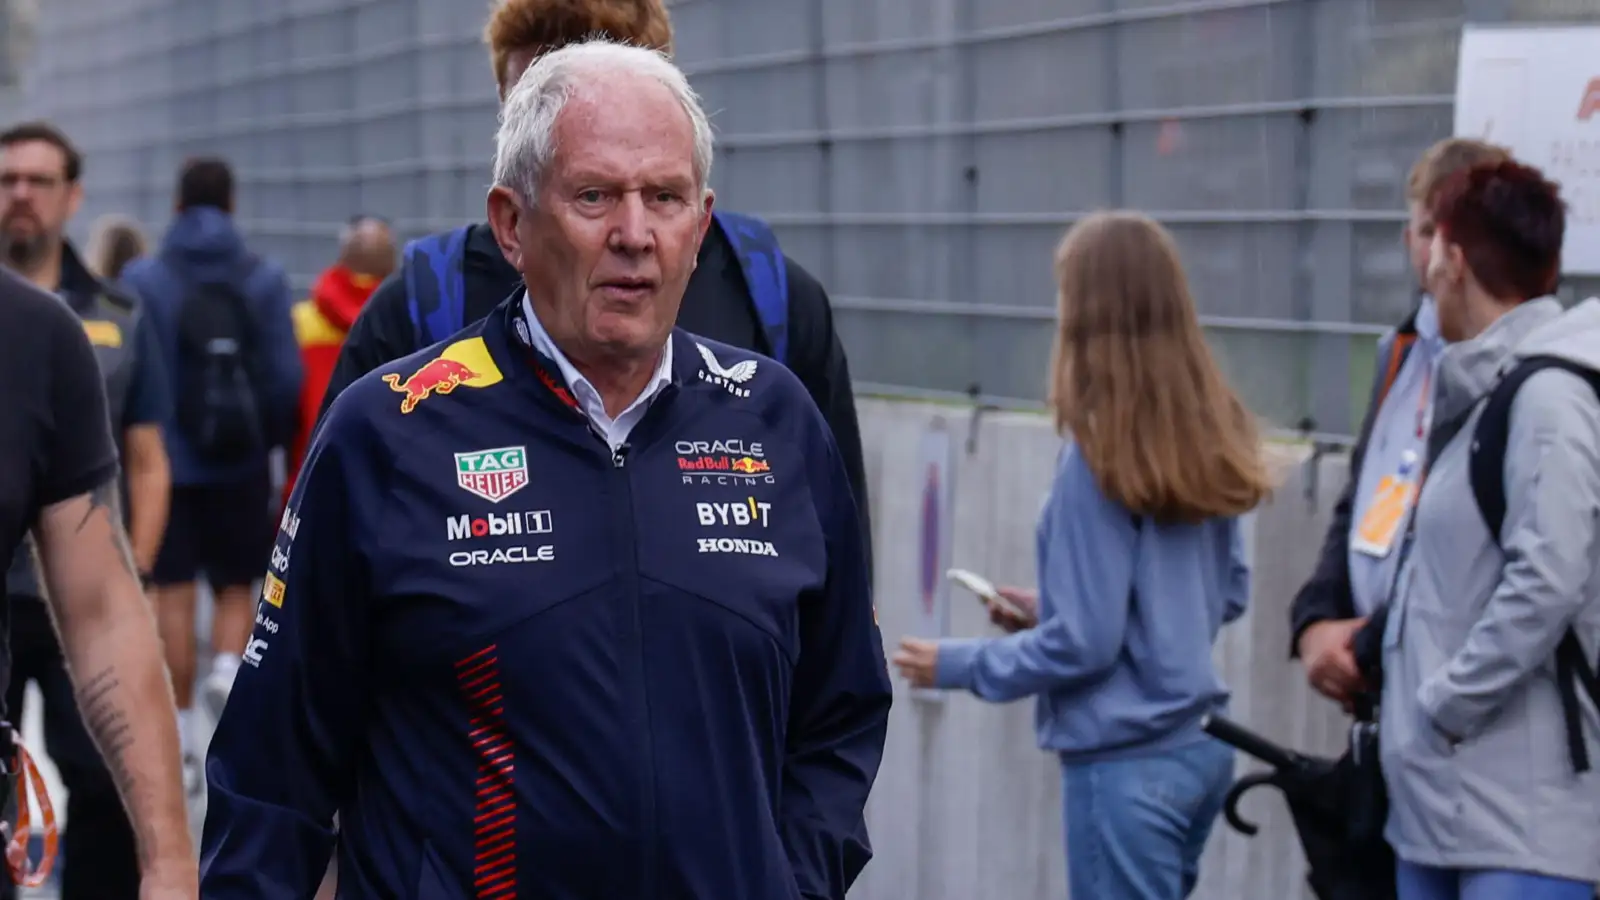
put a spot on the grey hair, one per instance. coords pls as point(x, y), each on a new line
point(525, 143)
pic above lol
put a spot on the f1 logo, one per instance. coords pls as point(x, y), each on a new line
point(1590, 104)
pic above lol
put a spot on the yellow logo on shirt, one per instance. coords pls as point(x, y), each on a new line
point(102, 333)
point(272, 590)
point(465, 363)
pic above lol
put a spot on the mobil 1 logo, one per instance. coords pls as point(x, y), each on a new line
point(464, 527)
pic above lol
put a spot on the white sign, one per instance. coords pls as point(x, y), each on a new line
point(1536, 91)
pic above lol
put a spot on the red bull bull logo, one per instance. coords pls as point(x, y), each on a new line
point(464, 363)
point(750, 465)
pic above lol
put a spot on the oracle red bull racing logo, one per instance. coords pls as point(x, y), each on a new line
point(462, 364)
point(730, 461)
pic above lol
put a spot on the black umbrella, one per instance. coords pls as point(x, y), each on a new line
point(1338, 806)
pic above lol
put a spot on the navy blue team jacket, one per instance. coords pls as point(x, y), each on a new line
point(517, 664)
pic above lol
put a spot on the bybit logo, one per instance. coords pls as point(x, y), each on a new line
point(750, 512)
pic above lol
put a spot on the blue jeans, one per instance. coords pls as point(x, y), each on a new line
point(1427, 883)
point(1136, 827)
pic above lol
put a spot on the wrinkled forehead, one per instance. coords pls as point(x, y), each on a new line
point(624, 126)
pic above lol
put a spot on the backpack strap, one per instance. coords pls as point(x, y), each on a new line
point(436, 284)
point(1486, 473)
point(766, 274)
point(1487, 461)
point(1572, 669)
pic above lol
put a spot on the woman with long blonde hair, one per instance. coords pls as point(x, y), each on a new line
point(1140, 564)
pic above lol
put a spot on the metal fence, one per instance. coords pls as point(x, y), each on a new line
point(921, 157)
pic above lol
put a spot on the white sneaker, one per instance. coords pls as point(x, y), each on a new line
point(214, 692)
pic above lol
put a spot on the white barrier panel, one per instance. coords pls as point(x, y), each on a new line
point(966, 807)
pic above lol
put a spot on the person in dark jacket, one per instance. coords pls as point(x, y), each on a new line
point(1355, 572)
point(718, 304)
point(573, 605)
point(222, 511)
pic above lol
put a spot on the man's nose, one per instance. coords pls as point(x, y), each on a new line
point(632, 231)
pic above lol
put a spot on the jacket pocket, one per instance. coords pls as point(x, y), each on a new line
point(433, 878)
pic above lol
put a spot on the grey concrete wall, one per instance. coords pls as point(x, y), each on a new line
point(966, 807)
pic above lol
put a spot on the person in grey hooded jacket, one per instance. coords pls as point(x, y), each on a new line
point(1486, 802)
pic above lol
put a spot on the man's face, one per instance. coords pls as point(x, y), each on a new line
point(36, 200)
point(1419, 240)
point(608, 248)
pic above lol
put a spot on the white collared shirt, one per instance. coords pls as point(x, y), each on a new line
point(615, 431)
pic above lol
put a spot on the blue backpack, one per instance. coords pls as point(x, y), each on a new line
point(436, 280)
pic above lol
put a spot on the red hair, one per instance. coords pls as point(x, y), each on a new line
point(1509, 221)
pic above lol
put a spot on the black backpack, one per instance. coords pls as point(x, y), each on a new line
point(1486, 470)
point(220, 373)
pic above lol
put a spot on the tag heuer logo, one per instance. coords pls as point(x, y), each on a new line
point(493, 474)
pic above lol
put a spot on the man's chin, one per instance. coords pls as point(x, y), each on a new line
point(631, 340)
point(23, 253)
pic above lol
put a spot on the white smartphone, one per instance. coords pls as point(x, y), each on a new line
point(985, 590)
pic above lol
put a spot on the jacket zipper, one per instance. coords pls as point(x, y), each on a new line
point(640, 712)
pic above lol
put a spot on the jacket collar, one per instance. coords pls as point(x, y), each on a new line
point(1469, 369)
point(532, 333)
point(687, 368)
point(78, 286)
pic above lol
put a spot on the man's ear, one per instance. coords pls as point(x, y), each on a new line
point(505, 212)
point(1458, 260)
point(705, 212)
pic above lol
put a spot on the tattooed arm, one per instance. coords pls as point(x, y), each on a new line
point(108, 636)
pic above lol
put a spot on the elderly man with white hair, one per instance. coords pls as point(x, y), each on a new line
point(572, 605)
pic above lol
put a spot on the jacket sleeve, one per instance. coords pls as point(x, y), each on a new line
point(282, 350)
point(839, 706)
point(1236, 587)
point(817, 357)
point(1327, 596)
point(1552, 472)
point(1085, 579)
point(282, 760)
point(381, 333)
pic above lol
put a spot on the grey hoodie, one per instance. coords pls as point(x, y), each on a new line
point(1473, 736)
